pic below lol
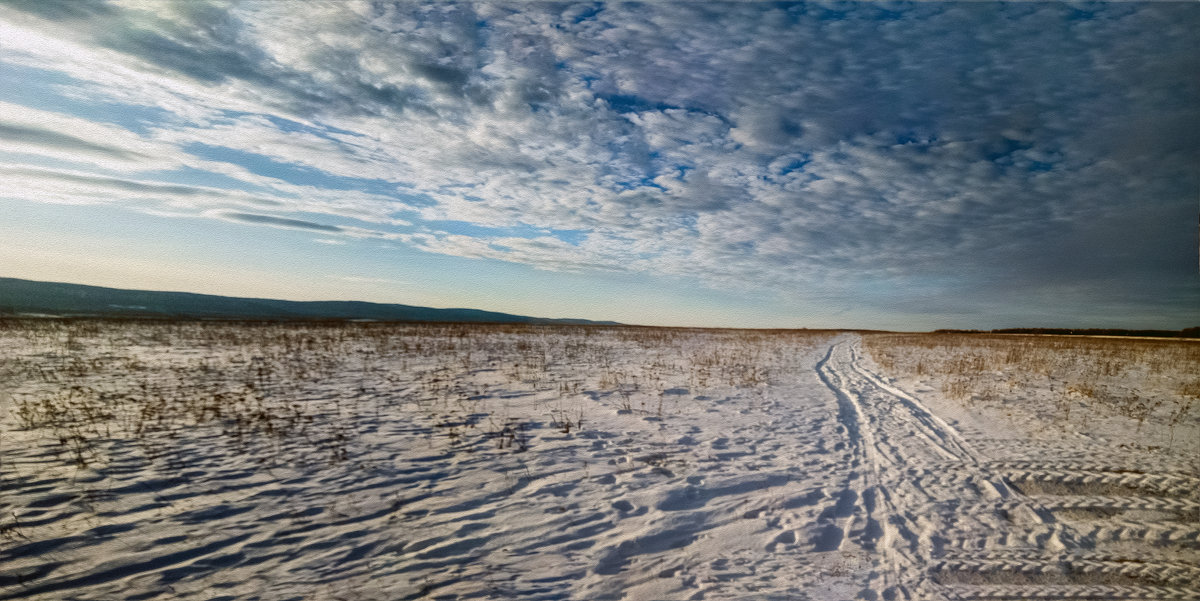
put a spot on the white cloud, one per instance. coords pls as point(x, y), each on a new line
point(31, 131)
point(745, 145)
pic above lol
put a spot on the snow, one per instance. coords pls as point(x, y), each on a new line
point(374, 461)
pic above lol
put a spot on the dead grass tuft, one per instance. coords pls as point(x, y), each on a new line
point(1144, 380)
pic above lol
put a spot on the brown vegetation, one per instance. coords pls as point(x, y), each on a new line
point(1140, 379)
point(303, 392)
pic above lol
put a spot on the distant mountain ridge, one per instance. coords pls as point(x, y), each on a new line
point(19, 297)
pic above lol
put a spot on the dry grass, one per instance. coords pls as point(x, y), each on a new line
point(297, 393)
point(1145, 380)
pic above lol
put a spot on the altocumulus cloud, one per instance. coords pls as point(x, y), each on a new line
point(983, 155)
point(281, 222)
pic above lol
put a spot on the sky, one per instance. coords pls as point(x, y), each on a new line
point(893, 166)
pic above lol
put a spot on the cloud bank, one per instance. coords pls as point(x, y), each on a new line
point(955, 158)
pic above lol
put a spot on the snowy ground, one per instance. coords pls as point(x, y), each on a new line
point(224, 461)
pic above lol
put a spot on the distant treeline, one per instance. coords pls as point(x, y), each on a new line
point(1184, 333)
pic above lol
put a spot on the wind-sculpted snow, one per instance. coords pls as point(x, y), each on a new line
point(371, 461)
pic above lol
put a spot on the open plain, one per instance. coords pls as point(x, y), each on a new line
point(208, 460)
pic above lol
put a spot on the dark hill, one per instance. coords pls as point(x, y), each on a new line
point(19, 297)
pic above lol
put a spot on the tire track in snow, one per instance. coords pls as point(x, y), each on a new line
point(901, 443)
point(934, 429)
point(949, 515)
point(1160, 570)
point(868, 499)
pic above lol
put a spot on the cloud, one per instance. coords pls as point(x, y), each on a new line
point(52, 135)
point(873, 152)
point(18, 135)
point(119, 187)
point(37, 184)
point(280, 222)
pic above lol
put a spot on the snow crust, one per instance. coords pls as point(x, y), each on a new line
point(370, 461)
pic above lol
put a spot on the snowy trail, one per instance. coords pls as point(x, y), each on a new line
point(943, 522)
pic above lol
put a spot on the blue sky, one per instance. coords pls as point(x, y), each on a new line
point(900, 166)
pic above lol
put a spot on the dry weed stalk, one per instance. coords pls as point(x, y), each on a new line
point(1093, 372)
point(294, 393)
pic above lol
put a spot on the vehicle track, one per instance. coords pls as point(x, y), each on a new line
point(1068, 591)
point(951, 523)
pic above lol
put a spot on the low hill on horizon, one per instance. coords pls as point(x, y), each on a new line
point(24, 297)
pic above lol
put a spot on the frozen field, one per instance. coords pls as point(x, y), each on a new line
point(226, 461)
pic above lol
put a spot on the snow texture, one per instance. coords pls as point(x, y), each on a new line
point(371, 461)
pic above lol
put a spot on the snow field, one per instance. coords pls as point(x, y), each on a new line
point(1054, 494)
point(373, 461)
